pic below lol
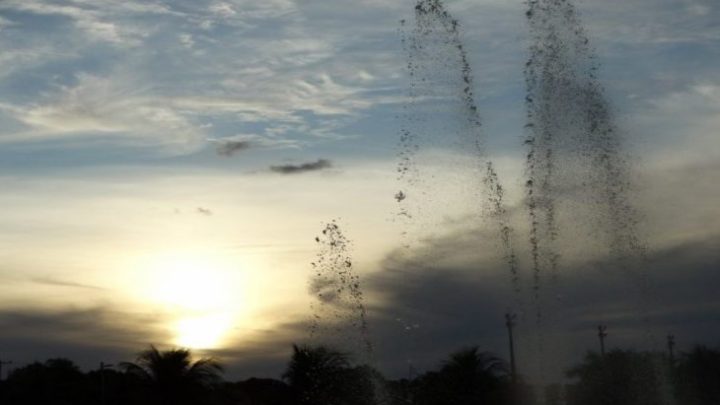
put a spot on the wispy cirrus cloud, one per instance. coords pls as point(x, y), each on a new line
point(289, 78)
point(97, 107)
point(654, 23)
point(51, 281)
point(99, 20)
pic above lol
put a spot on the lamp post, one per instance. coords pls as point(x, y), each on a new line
point(510, 324)
point(602, 334)
point(103, 366)
point(671, 348)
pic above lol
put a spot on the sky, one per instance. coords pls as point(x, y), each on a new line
point(165, 167)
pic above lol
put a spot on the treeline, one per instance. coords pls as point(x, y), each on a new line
point(625, 377)
point(322, 376)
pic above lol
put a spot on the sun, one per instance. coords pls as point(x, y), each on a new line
point(202, 294)
point(192, 283)
point(203, 332)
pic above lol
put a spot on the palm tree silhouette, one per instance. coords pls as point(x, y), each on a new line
point(172, 377)
point(315, 374)
point(471, 363)
point(469, 376)
point(473, 375)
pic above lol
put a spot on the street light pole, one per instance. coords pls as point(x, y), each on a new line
point(510, 324)
point(671, 348)
point(602, 335)
point(103, 366)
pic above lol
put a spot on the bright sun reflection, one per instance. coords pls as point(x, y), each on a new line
point(202, 293)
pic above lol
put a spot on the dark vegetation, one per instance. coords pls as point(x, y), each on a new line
point(322, 376)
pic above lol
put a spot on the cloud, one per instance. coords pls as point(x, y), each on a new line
point(648, 23)
point(304, 71)
point(230, 147)
point(243, 13)
point(4, 23)
point(447, 293)
point(453, 286)
point(318, 79)
point(273, 139)
point(106, 107)
point(692, 111)
point(452, 291)
point(284, 72)
point(186, 40)
point(284, 94)
point(87, 336)
point(99, 20)
point(266, 353)
point(204, 211)
point(320, 164)
point(456, 289)
point(62, 283)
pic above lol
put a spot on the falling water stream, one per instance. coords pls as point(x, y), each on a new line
point(577, 173)
point(577, 186)
point(339, 315)
point(572, 140)
point(575, 152)
point(439, 69)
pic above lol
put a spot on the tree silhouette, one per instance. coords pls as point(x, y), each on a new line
point(313, 374)
point(697, 377)
point(621, 377)
point(56, 381)
point(322, 376)
point(172, 378)
point(472, 367)
point(258, 391)
point(469, 376)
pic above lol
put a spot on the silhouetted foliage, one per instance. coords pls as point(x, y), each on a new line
point(323, 376)
point(554, 395)
point(112, 387)
point(621, 377)
point(320, 376)
point(56, 381)
point(473, 373)
point(697, 377)
point(313, 374)
point(171, 377)
point(469, 376)
point(257, 391)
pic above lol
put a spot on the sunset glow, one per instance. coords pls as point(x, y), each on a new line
point(169, 170)
point(202, 294)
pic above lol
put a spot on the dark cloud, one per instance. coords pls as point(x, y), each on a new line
point(230, 148)
point(431, 301)
point(204, 211)
point(448, 292)
point(87, 336)
point(436, 298)
point(320, 164)
point(267, 353)
point(457, 296)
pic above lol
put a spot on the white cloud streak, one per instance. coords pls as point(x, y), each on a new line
point(100, 20)
point(102, 107)
point(310, 68)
